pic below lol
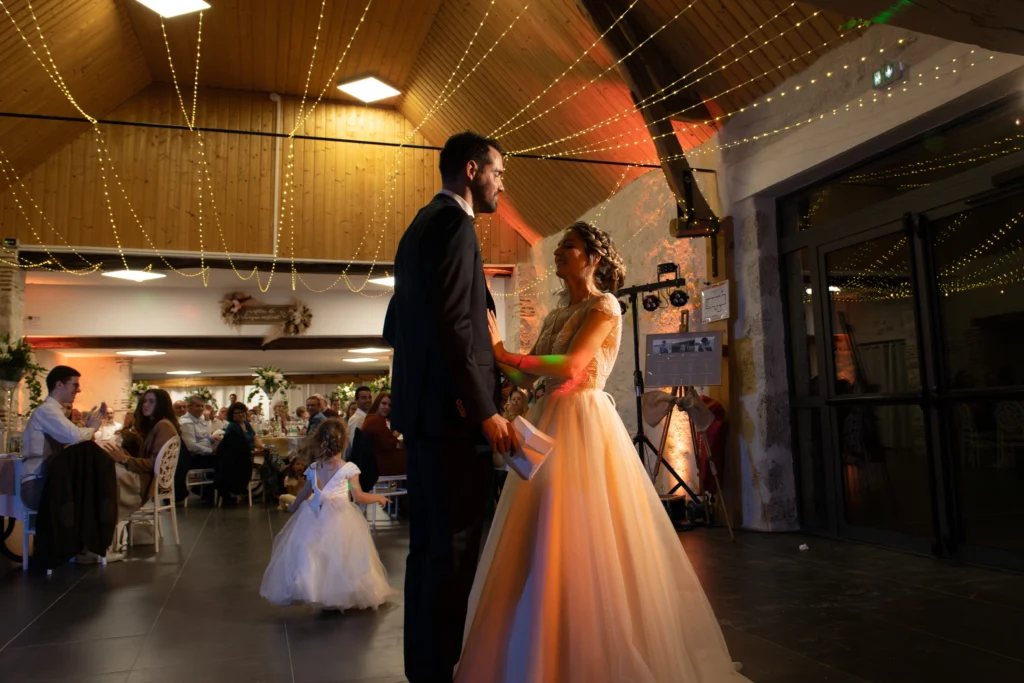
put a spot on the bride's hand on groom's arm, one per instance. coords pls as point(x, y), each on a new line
point(496, 342)
point(500, 433)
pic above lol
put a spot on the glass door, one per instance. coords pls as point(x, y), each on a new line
point(878, 423)
point(977, 265)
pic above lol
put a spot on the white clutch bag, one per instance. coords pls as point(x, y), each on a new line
point(534, 447)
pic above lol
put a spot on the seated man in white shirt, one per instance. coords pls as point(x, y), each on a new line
point(364, 399)
point(195, 432)
point(220, 421)
point(49, 430)
point(108, 431)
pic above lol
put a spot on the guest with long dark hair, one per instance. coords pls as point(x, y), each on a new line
point(156, 424)
point(234, 458)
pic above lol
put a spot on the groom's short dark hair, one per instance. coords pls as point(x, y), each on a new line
point(462, 148)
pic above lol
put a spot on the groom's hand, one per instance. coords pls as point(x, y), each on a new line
point(500, 433)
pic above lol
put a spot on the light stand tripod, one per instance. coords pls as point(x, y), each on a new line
point(640, 440)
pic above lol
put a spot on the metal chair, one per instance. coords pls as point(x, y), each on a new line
point(163, 495)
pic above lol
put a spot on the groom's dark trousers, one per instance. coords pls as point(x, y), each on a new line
point(444, 385)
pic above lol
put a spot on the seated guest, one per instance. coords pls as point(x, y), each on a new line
point(387, 447)
point(335, 409)
point(301, 413)
point(516, 405)
point(220, 421)
point(179, 409)
point(281, 416)
point(234, 455)
point(539, 389)
point(209, 412)
point(350, 410)
point(316, 414)
point(196, 437)
point(156, 424)
point(240, 424)
point(364, 399)
point(48, 431)
point(108, 431)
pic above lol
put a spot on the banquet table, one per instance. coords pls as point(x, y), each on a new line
point(284, 444)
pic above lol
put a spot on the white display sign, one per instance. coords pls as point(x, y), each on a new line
point(714, 302)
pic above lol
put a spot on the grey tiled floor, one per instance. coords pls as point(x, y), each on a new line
point(840, 613)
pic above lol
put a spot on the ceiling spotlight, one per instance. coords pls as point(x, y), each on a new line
point(809, 290)
point(387, 281)
point(185, 372)
point(142, 353)
point(134, 275)
point(362, 359)
point(175, 8)
point(368, 349)
point(368, 89)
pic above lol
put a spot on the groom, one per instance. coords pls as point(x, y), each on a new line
point(446, 400)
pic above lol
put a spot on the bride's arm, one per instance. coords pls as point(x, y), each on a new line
point(592, 333)
point(521, 379)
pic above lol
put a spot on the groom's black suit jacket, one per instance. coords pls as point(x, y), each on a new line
point(444, 379)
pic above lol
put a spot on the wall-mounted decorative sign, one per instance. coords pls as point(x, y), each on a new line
point(238, 308)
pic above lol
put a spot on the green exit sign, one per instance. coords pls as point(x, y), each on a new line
point(890, 73)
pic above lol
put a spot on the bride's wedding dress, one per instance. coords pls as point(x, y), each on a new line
point(583, 578)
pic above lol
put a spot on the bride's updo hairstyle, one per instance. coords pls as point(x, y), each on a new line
point(611, 271)
point(329, 437)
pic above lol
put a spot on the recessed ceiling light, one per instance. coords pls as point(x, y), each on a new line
point(360, 360)
point(368, 89)
point(368, 349)
point(185, 372)
point(174, 8)
point(134, 275)
point(142, 353)
point(386, 281)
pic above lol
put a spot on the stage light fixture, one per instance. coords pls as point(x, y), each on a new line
point(624, 306)
point(651, 302)
point(678, 298)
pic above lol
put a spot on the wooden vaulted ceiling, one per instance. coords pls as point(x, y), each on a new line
point(110, 50)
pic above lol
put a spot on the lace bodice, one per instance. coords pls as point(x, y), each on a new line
point(560, 328)
point(337, 487)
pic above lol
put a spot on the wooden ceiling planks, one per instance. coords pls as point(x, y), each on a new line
point(267, 45)
point(97, 56)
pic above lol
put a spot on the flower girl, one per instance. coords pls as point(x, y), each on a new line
point(324, 555)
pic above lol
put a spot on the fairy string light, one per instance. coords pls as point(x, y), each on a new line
point(654, 98)
point(603, 73)
point(497, 131)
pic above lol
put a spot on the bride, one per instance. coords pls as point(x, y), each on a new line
point(583, 578)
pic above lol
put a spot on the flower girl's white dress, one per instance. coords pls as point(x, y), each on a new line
point(583, 578)
point(324, 555)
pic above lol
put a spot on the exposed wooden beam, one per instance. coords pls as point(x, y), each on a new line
point(304, 343)
point(646, 72)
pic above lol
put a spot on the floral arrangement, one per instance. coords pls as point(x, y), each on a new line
point(344, 393)
point(299, 319)
point(269, 380)
point(205, 394)
point(381, 384)
point(17, 361)
point(231, 307)
point(137, 391)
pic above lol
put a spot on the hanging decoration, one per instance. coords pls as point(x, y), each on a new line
point(239, 308)
point(269, 380)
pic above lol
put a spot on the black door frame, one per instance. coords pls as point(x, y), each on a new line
point(912, 213)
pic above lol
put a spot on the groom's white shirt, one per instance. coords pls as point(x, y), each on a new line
point(466, 206)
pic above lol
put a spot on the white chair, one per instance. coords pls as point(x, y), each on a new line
point(163, 495)
point(391, 488)
point(26, 516)
point(256, 484)
point(197, 479)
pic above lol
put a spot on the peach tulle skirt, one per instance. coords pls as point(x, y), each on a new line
point(583, 578)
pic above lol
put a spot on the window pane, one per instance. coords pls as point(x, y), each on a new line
point(937, 155)
point(885, 468)
point(988, 451)
point(803, 356)
point(979, 258)
point(874, 333)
